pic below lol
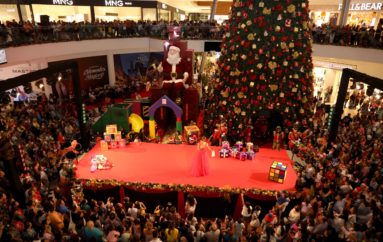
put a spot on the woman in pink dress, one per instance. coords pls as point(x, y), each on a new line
point(200, 165)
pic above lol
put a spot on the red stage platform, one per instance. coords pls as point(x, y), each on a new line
point(170, 164)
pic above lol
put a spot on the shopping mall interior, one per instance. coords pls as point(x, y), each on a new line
point(269, 115)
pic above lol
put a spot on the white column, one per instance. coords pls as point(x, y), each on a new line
point(111, 71)
point(344, 12)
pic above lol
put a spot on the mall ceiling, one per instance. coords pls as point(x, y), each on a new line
point(203, 6)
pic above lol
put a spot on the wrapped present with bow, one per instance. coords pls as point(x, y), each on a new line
point(239, 145)
point(249, 146)
point(224, 153)
point(241, 156)
point(250, 154)
point(225, 145)
point(233, 151)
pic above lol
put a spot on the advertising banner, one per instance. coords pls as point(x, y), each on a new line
point(93, 73)
point(134, 67)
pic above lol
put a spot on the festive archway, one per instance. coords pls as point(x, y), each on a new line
point(164, 101)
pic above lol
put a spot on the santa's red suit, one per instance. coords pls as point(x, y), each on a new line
point(167, 75)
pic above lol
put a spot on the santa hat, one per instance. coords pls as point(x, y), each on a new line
point(174, 48)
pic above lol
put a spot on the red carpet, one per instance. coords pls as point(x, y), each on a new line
point(170, 164)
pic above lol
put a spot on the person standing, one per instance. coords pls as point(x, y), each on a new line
point(200, 165)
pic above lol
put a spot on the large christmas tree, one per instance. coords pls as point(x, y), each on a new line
point(265, 64)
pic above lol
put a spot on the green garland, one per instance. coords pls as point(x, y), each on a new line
point(97, 183)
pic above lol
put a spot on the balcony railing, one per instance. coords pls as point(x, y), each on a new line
point(13, 35)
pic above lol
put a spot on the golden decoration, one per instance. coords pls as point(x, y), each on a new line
point(266, 11)
point(250, 36)
point(272, 65)
point(291, 8)
point(273, 87)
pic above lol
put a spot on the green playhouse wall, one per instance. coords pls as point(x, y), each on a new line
point(117, 114)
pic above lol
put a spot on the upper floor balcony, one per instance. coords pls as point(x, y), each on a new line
point(361, 49)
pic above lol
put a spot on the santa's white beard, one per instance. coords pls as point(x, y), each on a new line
point(174, 59)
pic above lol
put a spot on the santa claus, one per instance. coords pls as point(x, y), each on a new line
point(173, 70)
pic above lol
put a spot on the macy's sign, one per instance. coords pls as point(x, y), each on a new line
point(94, 73)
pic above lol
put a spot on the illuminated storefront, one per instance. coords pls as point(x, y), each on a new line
point(366, 13)
point(87, 10)
point(327, 79)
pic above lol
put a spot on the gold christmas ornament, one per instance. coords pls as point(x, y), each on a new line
point(249, 22)
point(277, 28)
point(254, 46)
point(243, 26)
point(250, 36)
point(259, 65)
point(272, 65)
point(224, 102)
point(305, 25)
point(251, 84)
point(291, 45)
point(281, 94)
point(237, 110)
point(291, 8)
point(283, 45)
point(296, 76)
point(285, 63)
point(239, 14)
point(244, 57)
point(273, 87)
point(261, 4)
point(266, 11)
point(225, 94)
point(296, 30)
point(228, 35)
point(240, 94)
point(302, 111)
point(243, 113)
point(295, 55)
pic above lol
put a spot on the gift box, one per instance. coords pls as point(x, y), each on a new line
point(241, 156)
point(192, 133)
point(226, 145)
point(278, 172)
point(249, 146)
point(104, 145)
point(234, 152)
point(250, 155)
point(117, 136)
point(113, 144)
point(107, 137)
point(239, 145)
point(121, 143)
point(224, 153)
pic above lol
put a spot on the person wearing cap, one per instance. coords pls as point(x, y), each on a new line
point(278, 138)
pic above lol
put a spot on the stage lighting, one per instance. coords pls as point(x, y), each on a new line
point(60, 77)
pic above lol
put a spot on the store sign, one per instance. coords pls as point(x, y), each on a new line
point(94, 73)
point(18, 70)
point(332, 65)
point(62, 2)
point(363, 6)
point(117, 3)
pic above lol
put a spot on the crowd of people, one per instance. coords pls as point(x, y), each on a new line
point(13, 33)
point(338, 192)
